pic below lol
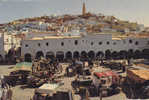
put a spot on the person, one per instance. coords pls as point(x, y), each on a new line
point(123, 68)
point(2, 82)
point(73, 62)
point(9, 94)
point(128, 61)
point(1, 93)
point(83, 93)
point(4, 94)
point(33, 67)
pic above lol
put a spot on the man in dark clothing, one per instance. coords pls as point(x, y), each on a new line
point(123, 68)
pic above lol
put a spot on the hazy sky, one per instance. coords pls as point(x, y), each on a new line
point(132, 10)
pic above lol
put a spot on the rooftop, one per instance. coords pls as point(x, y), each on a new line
point(54, 37)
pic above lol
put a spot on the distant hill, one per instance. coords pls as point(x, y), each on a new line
point(66, 23)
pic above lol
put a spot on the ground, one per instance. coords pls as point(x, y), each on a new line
point(27, 93)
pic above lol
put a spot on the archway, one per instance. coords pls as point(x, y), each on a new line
point(91, 54)
point(108, 54)
point(114, 55)
point(50, 55)
point(69, 55)
point(27, 57)
point(60, 55)
point(137, 54)
point(100, 54)
point(39, 54)
point(130, 53)
point(83, 55)
point(76, 54)
point(122, 54)
point(145, 53)
point(1, 58)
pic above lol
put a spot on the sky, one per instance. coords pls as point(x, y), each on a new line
point(130, 10)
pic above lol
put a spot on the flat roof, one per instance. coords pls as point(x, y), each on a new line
point(54, 37)
point(49, 32)
point(115, 38)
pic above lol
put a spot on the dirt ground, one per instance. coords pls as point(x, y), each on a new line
point(26, 94)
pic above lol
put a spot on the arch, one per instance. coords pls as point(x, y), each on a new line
point(91, 54)
point(145, 53)
point(100, 54)
point(114, 55)
point(1, 58)
point(108, 54)
point(122, 54)
point(130, 53)
point(83, 54)
point(50, 55)
point(137, 54)
point(60, 55)
point(76, 54)
point(27, 57)
point(39, 54)
point(68, 55)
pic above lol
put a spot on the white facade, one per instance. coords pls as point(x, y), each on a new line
point(96, 43)
point(2, 52)
point(38, 34)
point(10, 41)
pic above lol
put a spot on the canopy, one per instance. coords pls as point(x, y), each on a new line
point(105, 74)
point(23, 66)
point(138, 75)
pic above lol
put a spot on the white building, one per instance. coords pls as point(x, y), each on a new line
point(39, 34)
point(74, 46)
point(2, 52)
point(10, 41)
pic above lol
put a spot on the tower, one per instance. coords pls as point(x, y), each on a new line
point(83, 9)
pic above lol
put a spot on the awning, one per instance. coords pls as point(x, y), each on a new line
point(23, 66)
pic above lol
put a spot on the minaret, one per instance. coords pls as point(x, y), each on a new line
point(83, 9)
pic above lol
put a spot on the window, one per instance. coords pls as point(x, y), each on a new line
point(26, 45)
point(108, 42)
point(114, 43)
point(62, 43)
point(92, 43)
point(47, 43)
point(148, 42)
point(136, 43)
point(39, 44)
point(76, 42)
point(130, 41)
point(100, 43)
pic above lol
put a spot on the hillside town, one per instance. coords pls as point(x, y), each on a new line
point(74, 57)
point(65, 25)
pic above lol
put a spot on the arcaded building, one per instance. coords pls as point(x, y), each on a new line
point(92, 46)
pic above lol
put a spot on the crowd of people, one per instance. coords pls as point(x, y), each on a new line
point(5, 89)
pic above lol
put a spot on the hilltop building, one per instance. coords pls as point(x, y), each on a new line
point(83, 9)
